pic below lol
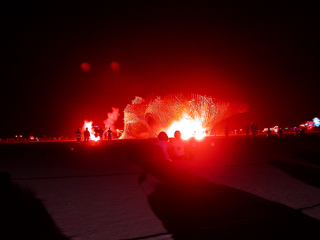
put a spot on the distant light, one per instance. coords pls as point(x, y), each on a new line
point(115, 66)
point(85, 66)
point(316, 121)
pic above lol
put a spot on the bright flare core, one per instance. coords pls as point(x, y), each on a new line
point(188, 127)
point(88, 125)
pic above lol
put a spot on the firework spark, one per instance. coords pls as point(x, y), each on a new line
point(193, 116)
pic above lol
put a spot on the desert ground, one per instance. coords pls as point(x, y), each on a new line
point(232, 188)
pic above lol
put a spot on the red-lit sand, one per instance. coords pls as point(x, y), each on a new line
point(236, 187)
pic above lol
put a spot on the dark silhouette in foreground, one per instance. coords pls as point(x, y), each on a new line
point(109, 134)
point(78, 135)
point(191, 207)
point(269, 133)
point(22, 216)
point(226, 131)
point(86, 135)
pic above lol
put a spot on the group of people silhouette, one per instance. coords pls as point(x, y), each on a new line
point(279, 132)
point(254, 129)
point(97, 132)
point(175, 149)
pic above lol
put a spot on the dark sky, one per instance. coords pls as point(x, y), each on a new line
point(263, 54)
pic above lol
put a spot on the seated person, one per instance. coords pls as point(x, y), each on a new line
point(163, 145)
point(178, 147)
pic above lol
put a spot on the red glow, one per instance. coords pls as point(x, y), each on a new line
point(115, 66)
point(85, 66)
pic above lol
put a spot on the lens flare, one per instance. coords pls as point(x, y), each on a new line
point(85, 66)
point(115, 66)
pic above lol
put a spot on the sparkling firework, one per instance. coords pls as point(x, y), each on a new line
point(193, 116)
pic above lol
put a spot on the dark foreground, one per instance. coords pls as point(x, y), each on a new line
point(189, 205)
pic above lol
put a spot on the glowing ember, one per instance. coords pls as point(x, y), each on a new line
point(188, 127)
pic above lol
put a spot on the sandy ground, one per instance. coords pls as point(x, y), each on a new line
point(239, 187)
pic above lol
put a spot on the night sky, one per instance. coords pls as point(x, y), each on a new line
point(262, 54)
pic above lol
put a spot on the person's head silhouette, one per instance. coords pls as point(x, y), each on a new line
point(163, 136)
point(177, 135)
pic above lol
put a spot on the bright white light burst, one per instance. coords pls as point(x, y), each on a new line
point(188, 127)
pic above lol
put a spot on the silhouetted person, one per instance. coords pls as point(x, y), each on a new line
point(269, 133)
point(96, 132)
point(86, 134)
point(109, 134)
point(226, 131)
point(22, 215)
point(247, 129)
point(100, 133)
point(302, 132)
point(279, 132)
point(253, 129)
point(163, 146)
point(78, 135)
point(178, 147)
